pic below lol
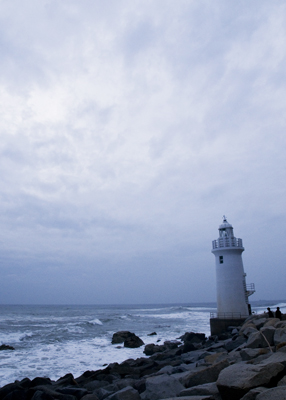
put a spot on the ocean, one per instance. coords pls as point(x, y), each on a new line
point(53, 340)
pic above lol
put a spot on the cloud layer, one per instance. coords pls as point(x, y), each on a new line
point(128, 129)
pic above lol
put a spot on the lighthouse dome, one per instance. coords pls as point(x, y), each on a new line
point(225, 229)
point(225, 224)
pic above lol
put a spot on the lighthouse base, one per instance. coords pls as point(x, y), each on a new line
point(220, 325)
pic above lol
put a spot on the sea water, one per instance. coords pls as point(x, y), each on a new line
point(54, 340)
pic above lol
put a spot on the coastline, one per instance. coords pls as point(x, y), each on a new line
point(244, 361)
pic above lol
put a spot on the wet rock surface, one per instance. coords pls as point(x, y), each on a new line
point(247, 362)
point(6, 347)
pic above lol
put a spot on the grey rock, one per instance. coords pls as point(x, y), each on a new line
point(234, 344)
point(168, 369)
point(194, 356)
point(41, 381)
point(259, 322)
point(256, 340)
point(90, 396)
point(121, 336)
point(207, 397)
point(39, 395)
point(271, 322)
point(205, 375)
point(47, 393)
point(95, 385)
point(248, 331)
point(237, 379)
point(249, 354)
point(153, 348)
point(16, 395)
point(278, 393)
point(280, 324)
point(268, 334)
point(10, 387)
point(122, 383)
point(214, 358)
point(282, 381)
point(183, 368)
point(193, 337)
point(49, 390)
point(6, 347)
point(217, 346)
point(102, 393)
point(161, 387)
point(133, 342)
point(201, 390)
point(262, 338)
point(234, 357)
point(252, 394)
point(279, 336)
point(77, 392)
point(281, 347)
point(127, 393)
point(278, 357)
point(188, 346)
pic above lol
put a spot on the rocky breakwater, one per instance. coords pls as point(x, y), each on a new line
point(246, 363)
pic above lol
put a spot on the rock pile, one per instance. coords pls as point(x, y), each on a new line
point(244, 363)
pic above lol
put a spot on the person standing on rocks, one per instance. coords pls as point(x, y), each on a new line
point(278, 313)
point(270, 313)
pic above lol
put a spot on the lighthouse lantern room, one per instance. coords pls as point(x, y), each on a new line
point(232, 291)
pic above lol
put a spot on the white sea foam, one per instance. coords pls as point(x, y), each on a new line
point(96, 321)
point(178, 315)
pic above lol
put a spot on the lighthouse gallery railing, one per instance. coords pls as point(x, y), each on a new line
point(229, 315)
point(227, 242)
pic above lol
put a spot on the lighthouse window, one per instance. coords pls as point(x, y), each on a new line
point(221, 259)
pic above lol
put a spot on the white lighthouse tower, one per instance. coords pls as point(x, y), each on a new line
point(232, 291)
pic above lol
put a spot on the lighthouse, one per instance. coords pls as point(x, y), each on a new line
point(232, 291)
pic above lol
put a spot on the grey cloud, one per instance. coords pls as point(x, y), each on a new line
point(127, 130)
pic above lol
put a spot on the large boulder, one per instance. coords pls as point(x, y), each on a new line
point(133, 341)
point(192, 341)
point(156, 348)
point(128, 338)
point(238, 379)
point(260, 339)
point(152, 348)
point(205, 375)
point(161, 387)
point(193, 337)
point(248, 331)
point(120, 337)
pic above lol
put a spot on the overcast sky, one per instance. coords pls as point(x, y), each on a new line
point(128, 129)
